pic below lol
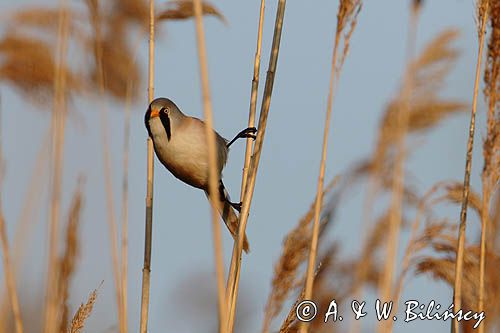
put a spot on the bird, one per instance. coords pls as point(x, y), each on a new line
point(180, 144)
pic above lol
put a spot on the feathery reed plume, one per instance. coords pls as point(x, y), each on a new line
point(40, 18)
point(8, 269)
point(29, 66)
point(234, 270)
point(482, 16)
point(148, 237)
point(454, 192)
point(183, 9)
point(442, 267)
point(347, 16)
point(295, 249)
point(70, 256)
point(398, 177)
point(58, 128)
point(427, 110)
point(419, 242)
point(83, 313)
point(212, 161)
point(491, 146)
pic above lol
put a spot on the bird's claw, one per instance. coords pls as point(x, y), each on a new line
point(250, 133)
point(236, 205)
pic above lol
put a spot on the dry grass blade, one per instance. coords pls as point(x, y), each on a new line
point(402, 119)
point(7, 267)
point(457, 290)
point(58, 128)
point(83, 313)
point(70, 257)
point(93, 7)
point(347, 15)
point(212, 162)
point(183, 9)
point(295, 249)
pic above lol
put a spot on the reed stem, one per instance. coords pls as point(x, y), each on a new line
point(146, 270)
point(457, 290)
point(234, 272)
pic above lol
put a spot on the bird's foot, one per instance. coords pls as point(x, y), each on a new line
point(246, 133)
point(236, 205)
point(249, 132)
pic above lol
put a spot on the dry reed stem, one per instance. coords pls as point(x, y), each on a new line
point(58, 127)
point(95, 16)
point(395, 215)
point(29, 209)
point(146, 270)
point(8, 268)
point(82, 314)
point(457, 290)
point(212, 162)
point(124, 226)
point(413, 243)
point(491, 145)
point(10, 280)
point(347, 15)
point(234, 271)
point(249, 142)
point(253, 100)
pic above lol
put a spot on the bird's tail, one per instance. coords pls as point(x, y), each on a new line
point(228, 214)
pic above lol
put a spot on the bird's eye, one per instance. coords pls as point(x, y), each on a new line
point(164, 110)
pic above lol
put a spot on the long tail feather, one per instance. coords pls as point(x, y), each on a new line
point(228, 214)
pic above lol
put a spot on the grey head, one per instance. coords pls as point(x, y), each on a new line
point(167, 112)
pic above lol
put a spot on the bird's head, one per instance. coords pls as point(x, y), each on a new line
point(166, 111)
point(161, 107)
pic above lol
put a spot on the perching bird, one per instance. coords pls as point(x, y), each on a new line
point(180, 143)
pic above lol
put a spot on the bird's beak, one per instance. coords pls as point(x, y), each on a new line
point(155, 113)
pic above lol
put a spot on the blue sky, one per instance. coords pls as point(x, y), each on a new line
point(182, 262)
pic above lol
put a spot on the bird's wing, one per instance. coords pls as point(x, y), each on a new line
point(221, 143)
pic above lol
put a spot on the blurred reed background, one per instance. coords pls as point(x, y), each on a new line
point(62, 60)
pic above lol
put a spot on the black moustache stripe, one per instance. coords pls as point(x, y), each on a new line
point(166, 124)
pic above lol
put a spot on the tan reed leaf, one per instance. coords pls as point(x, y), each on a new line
point(183, 9)
point(83, 313)
point(70, 256)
